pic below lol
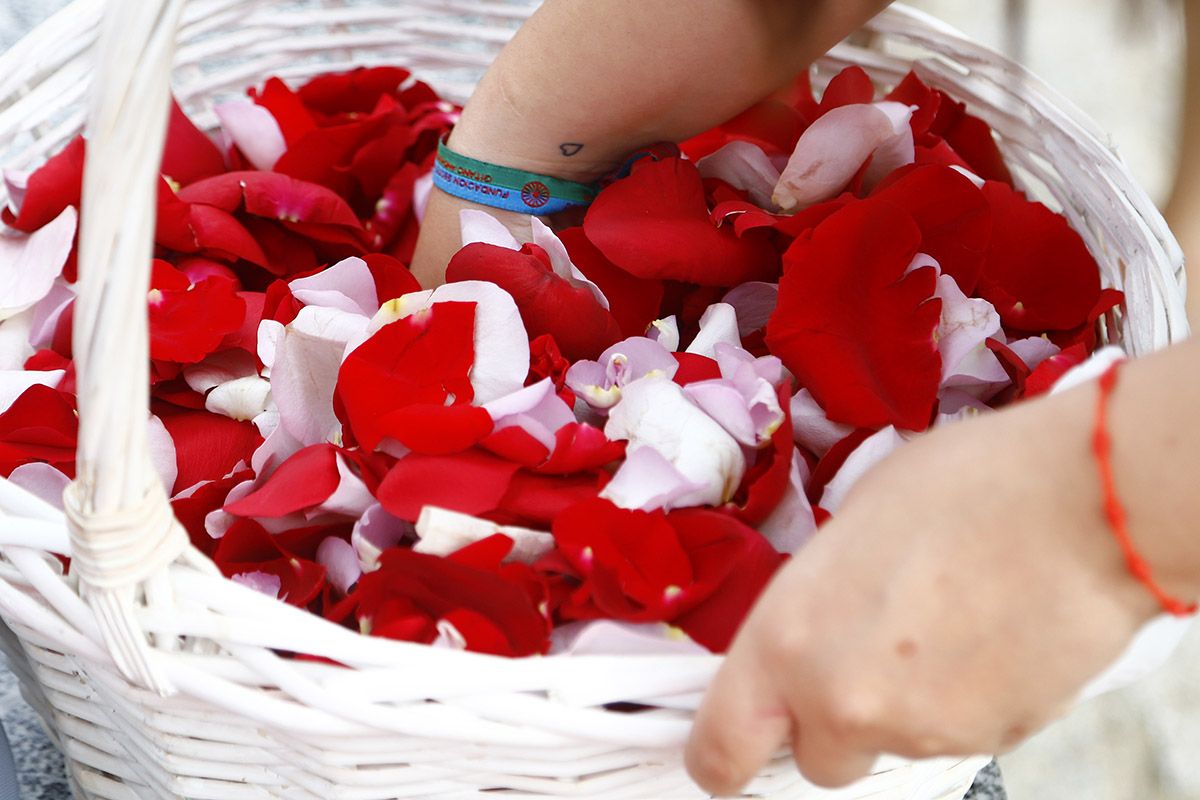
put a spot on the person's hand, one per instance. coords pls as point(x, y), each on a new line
point(964, 593)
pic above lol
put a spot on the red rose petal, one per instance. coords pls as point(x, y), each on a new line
point(853, 327)
point(304, 480)
point(655, 225)
point(954, 217)
point(189, 154)
point(437, 429)
point(471, 482)
point(52, 187)
point(1041, 277)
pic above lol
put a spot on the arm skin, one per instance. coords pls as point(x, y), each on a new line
point(885, 634)
point(967, 589)
point(616, 75)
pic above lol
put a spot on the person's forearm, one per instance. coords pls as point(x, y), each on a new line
point(1155, 430)
point(583, 84)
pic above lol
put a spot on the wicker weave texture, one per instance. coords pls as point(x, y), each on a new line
point(159, 678)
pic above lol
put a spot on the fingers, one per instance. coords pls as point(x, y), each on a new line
point(740, 726)
point(825, 761)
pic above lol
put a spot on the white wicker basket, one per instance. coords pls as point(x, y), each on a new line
point(158, 677)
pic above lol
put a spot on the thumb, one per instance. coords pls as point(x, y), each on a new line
point(741, 724)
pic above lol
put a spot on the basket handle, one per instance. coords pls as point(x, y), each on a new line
point(123, 533)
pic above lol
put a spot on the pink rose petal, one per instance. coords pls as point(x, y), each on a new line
point(29, 263)
point(743, 166)
point(254, 130)
point(347, 286)
point(835, 147)
point(876, 448)
point(340, 561)
point(754, 302)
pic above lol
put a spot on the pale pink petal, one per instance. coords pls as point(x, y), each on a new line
point(922, 260)
point(897, 151)
point(14, 383)
point(792, 523)
point(15, 349)
point(304, 373)
point(1034, 350)
point(966, 325)
point(350, 499)
point(718, 325)
point(347, 286)
point(599, 382)
point(741, 367)
point(259, 581)
point(743, 166)
point(1090, 370)
point(971, 176)
point(42, 481)
point(666, 332)
point(481, 227)
point(721, 400)
point(754, 302)
point(340, 561)
point(536, 409)
point(218, 368)
point(376, 531)
point(876, 448)
point(270, 332)
point(162, 453)
point(442, 532)
point(812, 428)
point(218, 521)
point(647, 481)
point(654, 413)
point(835, 147)
point(561, 262)
point(278, 445)
point(501, 343)
point(955, 405)
point(15, 183)
point(48, 312)
point(606, 637)
point(254, 130)
point(242, 399)
point(29, 263)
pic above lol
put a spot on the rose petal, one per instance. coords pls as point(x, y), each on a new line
point(835, 147)
point(876, 448)
point(29, 263)
point(340, 561)
point(375, 531)
point(254, 130)
point(743, 166)
point(41, 480)
point(718, 325)
point(443, 532)
point(792, 523)
point(753, 302)
point(654, 412)
point(501, 343)
point(347, 286)
point(813, 430)
point(647, 481)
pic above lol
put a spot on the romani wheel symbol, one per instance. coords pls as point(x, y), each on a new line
point(535, 194)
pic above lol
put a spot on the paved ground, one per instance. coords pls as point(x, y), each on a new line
point(1139, 743)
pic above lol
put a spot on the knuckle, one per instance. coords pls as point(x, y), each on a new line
point(852, 714)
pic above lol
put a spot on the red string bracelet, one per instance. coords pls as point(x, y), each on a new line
point(1114, 510)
